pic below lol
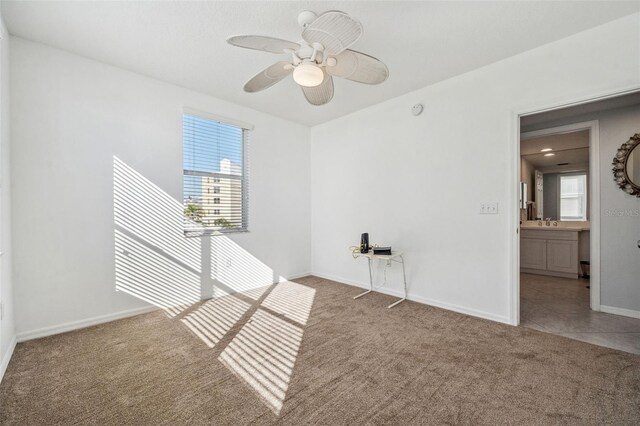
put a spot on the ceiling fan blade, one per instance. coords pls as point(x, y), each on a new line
point(321, 94)
point(266, 44)
point(335, 30)
point(359, 67)
point(268, 77)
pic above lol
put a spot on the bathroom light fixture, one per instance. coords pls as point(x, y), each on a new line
point(549, 154)
point(308, 75)
point(546, 150)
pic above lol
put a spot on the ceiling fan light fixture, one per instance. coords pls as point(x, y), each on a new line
point(308, 75)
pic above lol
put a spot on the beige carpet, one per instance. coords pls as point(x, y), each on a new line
point(308, 353)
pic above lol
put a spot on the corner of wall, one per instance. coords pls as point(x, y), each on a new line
point(6, 357)
point(7, 325)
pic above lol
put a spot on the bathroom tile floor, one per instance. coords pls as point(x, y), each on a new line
point(561, 306)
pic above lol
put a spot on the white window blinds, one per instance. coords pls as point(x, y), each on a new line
point(215, 176)
point(573, 197)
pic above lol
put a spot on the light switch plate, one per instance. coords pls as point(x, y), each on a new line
point(489, 208)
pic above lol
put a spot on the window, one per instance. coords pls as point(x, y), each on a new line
point(573, 197)
point(214, 153)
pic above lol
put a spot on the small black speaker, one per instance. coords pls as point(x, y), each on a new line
point(364, 243)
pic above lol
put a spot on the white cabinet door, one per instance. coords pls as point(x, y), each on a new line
point(533, 253)
point(562, 256)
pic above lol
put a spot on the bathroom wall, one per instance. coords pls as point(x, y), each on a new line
point(527, 176)
point(550, 195)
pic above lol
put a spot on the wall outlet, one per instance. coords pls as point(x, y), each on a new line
point(489, 208)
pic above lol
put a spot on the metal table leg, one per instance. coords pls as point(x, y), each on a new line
point(370, 282)
point(404, 277)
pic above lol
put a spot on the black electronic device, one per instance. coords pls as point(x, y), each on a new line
point(364, 243)
point(385, 251)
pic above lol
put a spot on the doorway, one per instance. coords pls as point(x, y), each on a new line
point(559, 204)
point(548, 297)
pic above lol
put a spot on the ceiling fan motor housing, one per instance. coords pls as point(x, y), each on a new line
point(305, 51)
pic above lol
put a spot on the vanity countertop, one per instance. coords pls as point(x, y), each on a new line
point(544, 227)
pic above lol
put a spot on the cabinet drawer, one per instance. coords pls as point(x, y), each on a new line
point(550, 235)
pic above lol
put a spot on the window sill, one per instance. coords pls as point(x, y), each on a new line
point(199, 234)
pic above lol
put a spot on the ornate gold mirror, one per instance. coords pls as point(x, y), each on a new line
point(626, 166)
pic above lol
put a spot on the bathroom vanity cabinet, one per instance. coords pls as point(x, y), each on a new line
point(550, 251)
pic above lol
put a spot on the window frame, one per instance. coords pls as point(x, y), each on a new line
point(244, 179)
point(585, 217)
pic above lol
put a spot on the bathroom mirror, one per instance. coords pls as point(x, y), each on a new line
point(632, 166)
point(555, 169)
point(626, 166)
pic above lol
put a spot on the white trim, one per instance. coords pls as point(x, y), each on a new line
point(514, 222)
point(594, 213)
point(557, 130)
point(296, 276)
point(515, 185)
point(601, 96)
point(76, 325)
point(419, 299)
point(620, 311)
point(7, 357)
point(218, 118)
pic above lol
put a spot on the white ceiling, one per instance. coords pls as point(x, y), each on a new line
point(557, 142)
point(572, 148)
point(573, 157)
point(184, 42)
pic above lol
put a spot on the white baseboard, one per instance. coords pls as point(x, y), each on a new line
point(76, 325)
point(296, 276)
point(420, 299)
point(7, 357)
point(620, 311)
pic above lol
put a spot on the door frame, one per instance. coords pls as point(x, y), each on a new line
point(594, 191)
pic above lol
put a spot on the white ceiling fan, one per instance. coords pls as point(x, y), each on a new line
point(321, 55)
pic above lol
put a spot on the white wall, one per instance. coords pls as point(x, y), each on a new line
point(416, 182)
point(7, 329)
point(70, 117)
